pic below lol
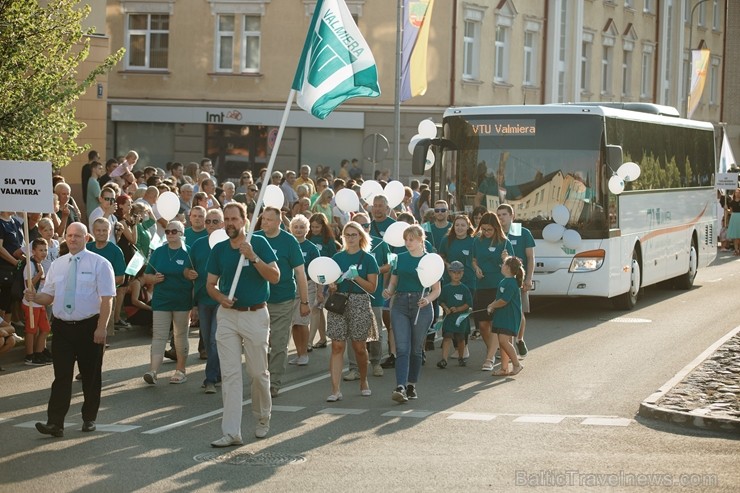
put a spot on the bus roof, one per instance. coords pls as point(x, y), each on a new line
point(613, 110)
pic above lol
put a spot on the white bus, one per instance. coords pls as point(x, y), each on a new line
point(539, 157)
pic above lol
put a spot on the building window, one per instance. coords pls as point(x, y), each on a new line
point(627, 73)
point(687, 11)
point(530, 58)
point(586, 66)
point(501, 62)
point(686, 83)
point(716, 13)
point(225, 42)
point(606, 71)
point(648, 6)
point(629, 4)
point(702, 15)
point(714, 79)
point(646, 76)
point(251, 43)
point(471, 50)
point(147, 41)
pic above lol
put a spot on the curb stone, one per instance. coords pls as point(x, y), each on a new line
point(698, 418)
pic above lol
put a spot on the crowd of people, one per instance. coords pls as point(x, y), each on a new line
point(252, 295)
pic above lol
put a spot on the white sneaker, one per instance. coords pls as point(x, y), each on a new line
point(293, 361)
point(263, 426)
point(150, 377)
point(302, 360)
point(377, 370)
point(351, 375)
point(226, 441)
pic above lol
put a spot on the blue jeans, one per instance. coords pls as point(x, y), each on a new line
point(208, 326)
point(410, 337)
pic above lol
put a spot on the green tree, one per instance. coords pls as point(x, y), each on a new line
point(41, 48)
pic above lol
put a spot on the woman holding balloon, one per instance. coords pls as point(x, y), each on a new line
point(357, 323)
point(414, 285)
point(321, 235)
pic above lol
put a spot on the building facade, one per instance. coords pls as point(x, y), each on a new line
point(211, 77)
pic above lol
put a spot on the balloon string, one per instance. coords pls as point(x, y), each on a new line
point(418, 311)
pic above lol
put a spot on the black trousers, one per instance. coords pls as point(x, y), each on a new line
point(73, 341)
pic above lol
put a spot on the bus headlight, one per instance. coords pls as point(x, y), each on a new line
point(587, 261)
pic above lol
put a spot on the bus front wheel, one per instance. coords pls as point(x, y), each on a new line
point(628, 300)
point(686, 281)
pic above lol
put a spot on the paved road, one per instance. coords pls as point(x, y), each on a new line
point(567, 422)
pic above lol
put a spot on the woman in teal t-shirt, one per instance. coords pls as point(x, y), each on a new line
point(411, 313)
point(357, 323)
point(490, 248)
point(321, 235)
point(458, 245)
point(171, 271)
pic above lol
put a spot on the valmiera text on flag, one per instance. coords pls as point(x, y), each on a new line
point(336, 63)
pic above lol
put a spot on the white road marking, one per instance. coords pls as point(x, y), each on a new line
point(472, 416)
point(408, 414)
point(100, 427)
point(534, 418)
point(288, 409)
point(606, 421)
point(342, 410)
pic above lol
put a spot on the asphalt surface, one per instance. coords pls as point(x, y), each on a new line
point(568, 422)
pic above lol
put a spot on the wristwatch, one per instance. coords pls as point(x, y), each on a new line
point(256, 260)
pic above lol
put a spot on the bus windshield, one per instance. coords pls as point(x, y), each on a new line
point(533, 163)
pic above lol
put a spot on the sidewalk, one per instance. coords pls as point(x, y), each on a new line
point(706, 393)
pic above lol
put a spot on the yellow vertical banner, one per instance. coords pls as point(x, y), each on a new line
point(699, 66)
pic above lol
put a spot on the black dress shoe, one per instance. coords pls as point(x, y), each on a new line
point(88, 426)
point(52, 430)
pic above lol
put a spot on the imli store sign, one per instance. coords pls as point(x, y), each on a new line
point(25, 186)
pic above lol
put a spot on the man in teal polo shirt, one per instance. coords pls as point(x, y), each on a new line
point(243, 322)
point(197, 229)
point(282, 302)
point(112, 253)
point(523, 243)
point(207, 306)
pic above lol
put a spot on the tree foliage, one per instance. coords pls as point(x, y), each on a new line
point(41, 48)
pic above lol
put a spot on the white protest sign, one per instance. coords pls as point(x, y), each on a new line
point(25, 186)
point(727, 181)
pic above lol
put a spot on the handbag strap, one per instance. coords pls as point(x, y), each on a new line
point(351, 288)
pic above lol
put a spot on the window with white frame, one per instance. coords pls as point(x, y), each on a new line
point(646, 72)
point(147, 41)
point(714, 80)
point(648, 7)
point(716, 15)
point(686, 84)
point(702, 15)
point(629, 4)
point(225, 24)
point(501, 62)
point(530, 58)
point(606, 70)
point(687, 11)
point(251, 41)
point(471, 43)
point(586, 50)
point(627, 73)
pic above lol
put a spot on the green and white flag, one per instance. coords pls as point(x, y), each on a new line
point(336, 63)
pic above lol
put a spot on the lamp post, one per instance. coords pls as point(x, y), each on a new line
point(691, 49)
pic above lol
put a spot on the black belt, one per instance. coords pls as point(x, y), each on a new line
point(78, 322)
point(252, 308)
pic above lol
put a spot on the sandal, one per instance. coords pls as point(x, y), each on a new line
point(319, 345)
point(178, 377)
point(442, 364)
point(501, 373)
point(516, 370)
point(487, 365)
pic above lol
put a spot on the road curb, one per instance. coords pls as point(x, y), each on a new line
point(650, 409)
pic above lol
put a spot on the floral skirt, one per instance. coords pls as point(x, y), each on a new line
point(356, 324)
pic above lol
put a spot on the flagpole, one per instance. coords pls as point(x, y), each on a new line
point(260, 197)
point(397, 103)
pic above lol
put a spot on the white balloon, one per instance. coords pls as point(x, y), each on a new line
point(324, 270)
point(394, 191)
point(616, 185)
point(369, 189)
point(347, 200)
point(571, 239)
point(560, 214)
point(430, 269)
point(629, 171)
point(428, 129)
point(430, 160)
point(553, 232)
point(217, 237)
point(168, 205)
point(394, 234)
point(273, 197)
point(412, 143)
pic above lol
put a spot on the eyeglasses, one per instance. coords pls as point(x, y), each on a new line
point(213, 221)
point(172, 231)
point(110, 200)
point(440, 210)
point(366, 225)
point(252, 189)
point(487, 230)
point(351, 235)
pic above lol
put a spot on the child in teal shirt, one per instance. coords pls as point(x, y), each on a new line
point(507, 314)
point(455, 301)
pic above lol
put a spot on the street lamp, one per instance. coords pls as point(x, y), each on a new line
point(691, 48)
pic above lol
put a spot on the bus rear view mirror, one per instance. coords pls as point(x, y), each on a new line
point(614, 156)
point(419, 157)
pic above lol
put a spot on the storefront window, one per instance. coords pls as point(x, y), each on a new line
point(234, 148)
